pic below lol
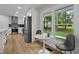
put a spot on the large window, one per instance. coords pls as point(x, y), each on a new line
point(47, 24)
point(64, 22)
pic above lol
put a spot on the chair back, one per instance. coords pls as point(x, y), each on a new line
point(70, 42)
point(38, 32)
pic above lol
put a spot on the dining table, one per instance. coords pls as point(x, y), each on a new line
point(43, 38)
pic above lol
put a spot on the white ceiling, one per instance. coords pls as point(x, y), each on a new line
point(10, 9)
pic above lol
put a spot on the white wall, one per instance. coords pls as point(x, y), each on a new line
point(4, 21)
point(35, 21)
point(76, 28)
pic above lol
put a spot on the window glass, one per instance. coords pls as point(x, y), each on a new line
point(64, 22)
point(47, 24)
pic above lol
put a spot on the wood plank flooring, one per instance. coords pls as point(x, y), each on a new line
point(15, 45)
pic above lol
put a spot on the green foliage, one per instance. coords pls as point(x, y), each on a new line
point(47, 24)
point(64, 25)
point(61, 17)
point(65, 17)
point(49, 18)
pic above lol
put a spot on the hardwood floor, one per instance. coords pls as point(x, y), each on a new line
point(15, 45)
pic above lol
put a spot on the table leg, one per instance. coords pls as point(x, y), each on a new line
point(43, 46)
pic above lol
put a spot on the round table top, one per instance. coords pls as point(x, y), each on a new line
point(42, 37)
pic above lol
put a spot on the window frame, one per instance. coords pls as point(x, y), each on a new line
point(67, 8)
point(44, 15)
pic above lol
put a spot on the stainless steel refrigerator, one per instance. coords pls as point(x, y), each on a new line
point(28, 29)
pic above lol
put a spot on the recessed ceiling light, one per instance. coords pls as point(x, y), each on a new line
point(19, 7)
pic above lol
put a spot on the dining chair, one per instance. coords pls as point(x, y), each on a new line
point(68, 45)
